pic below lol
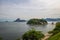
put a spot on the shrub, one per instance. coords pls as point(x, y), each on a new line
point(55, 37)
point(32, 35)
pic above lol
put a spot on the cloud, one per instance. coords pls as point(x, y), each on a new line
point(29, 8)
point(13, 1)
point(32, 3)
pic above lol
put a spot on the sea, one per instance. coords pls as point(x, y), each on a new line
point(14, 30)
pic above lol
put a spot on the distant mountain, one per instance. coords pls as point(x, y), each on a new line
point(52, 19)
point(18, 20)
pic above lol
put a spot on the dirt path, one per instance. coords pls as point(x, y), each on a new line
point(47, 35)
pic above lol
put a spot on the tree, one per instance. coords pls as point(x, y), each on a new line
point(32, 35)
point(37, 21)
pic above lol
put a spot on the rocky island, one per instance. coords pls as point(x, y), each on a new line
point(18, 20)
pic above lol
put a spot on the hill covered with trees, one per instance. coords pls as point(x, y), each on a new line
point(37, 21)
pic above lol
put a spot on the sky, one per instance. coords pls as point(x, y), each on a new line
point(27, 9)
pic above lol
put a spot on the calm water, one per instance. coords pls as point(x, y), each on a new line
point(14, 30)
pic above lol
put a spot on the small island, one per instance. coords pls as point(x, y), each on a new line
point(37, 22)
point(18, 20)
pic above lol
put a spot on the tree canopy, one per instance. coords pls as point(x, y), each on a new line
point(37, 21)
point(32, 35)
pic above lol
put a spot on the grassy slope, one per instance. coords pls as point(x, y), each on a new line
point(55, 37)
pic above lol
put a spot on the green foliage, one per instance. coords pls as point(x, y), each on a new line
point(32, 35)
point(56, 32)
point(57, 29)
point(55, 37)
point(18, 39)
point(1, 38)
point(58, 24)
point(37, 21)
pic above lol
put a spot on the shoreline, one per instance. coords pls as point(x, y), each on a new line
point(47, 35)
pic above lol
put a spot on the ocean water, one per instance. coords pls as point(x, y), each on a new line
point(14, 30)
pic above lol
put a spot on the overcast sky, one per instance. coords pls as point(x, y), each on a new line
point(29, 8)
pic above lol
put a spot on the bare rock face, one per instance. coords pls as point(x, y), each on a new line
point(18, 20)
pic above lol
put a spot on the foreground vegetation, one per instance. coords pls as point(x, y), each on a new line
point(56, 32)
point(1, 38)
point(37, 21)
point(55, 37)
point(56, 29)
point(33, 35)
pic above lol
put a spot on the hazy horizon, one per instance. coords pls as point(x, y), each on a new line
point(27, 9)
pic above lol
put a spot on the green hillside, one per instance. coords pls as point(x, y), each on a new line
point(37, 22)
point(55, 37)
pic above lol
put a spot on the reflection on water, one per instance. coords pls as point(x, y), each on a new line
point(14, 30)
